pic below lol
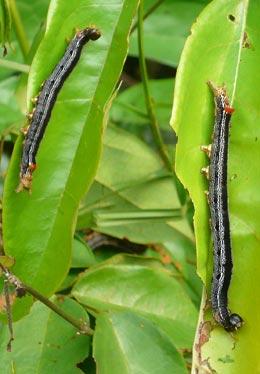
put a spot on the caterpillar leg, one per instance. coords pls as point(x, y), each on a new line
point(205, 171)
point(206, 149)
point(24, 130)
point(207, 195)
point(34, 100)
point(30, 115)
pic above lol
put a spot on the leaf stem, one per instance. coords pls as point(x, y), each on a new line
point(19, 29)
point(22, 288)
point(14, 66)
point(148, 12)
point(9, 316)
point(149, 105)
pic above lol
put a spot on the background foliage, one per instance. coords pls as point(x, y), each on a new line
point(108, 227)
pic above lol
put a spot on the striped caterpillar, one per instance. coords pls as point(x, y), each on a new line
point(218, 203)
point(45, 101)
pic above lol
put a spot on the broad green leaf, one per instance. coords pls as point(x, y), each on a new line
point(82, 255)
point(168, 28)
point(44, 342)
point(126, 149)
point(148, 291)
point(225, 46)
point(38, 227)
point(129, 107)
point(130, 344)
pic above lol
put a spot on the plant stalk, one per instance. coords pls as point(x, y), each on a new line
point(19, 29)
point(14, 66)
point(148, 100)
point(22, 288)
point(148, 12)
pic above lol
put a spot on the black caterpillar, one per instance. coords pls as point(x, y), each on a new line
point(45, 102)
point(218, 203)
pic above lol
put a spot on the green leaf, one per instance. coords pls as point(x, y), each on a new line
point(148, 291)
point(129, 107)
point(168, 28)
point(38, 227)
point(44, 342)
point(225, 46)
point(122, 145)
point(130, 344)
point(82, 255)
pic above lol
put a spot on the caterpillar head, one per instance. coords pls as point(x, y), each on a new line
point(235, 322)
